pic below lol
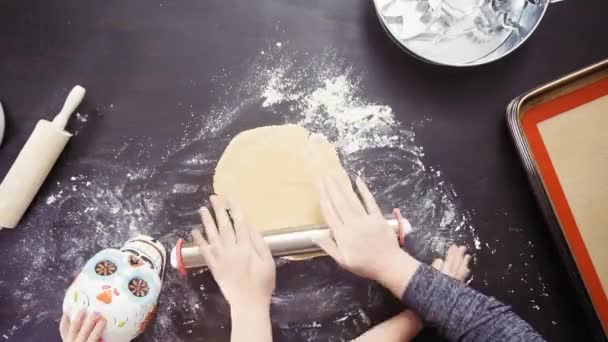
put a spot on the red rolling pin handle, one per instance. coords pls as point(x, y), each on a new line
point(178, 256)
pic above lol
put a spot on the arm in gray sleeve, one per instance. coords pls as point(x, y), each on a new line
point(461, 313)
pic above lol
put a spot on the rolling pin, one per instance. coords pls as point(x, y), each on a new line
point(35, 161)
point(281, 242)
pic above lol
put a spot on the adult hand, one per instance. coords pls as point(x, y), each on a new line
point(239, 259)
point(86, 327)
point(406, 325)
point(363, 242)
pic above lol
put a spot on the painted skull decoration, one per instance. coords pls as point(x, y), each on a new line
point(122, 285)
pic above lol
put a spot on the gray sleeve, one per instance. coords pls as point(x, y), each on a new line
point(461, 313)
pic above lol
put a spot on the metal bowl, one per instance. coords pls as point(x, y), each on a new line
point(460, 32)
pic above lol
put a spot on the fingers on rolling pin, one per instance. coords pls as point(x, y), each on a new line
point(368, 199)
point(223, 220)
point(209, 226)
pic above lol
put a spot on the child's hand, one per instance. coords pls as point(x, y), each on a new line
point(86, 327)
point(363, 242)
point(238, 257)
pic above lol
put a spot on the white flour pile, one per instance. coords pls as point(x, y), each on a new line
point(357, 123)
point(126, 191)
point(326, 96)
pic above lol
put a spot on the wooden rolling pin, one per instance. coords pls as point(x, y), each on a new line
point(35, 161)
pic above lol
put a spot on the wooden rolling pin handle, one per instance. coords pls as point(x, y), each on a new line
point(69, 107)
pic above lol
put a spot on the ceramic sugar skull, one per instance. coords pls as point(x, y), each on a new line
point(122, 285)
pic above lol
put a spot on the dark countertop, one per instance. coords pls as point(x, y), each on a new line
point(154, 72)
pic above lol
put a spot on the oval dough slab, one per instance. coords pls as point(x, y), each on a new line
point(273, 174)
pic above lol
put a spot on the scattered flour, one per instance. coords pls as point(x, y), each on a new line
point(477, 243)
point(335, 105)
point(112, 197)
point(81, 117)
point(325, 95)
point(51, 199)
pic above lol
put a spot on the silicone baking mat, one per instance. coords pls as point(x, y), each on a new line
point(568, 140)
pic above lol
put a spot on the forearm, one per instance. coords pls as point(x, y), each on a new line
point(461, 313)
point(251, 324)
point(403, 327)
point(397, 272)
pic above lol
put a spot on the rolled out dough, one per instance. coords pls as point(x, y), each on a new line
point(273, 173)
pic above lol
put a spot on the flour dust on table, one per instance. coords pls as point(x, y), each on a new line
point(124, 190)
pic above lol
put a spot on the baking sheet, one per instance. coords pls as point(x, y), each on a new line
point(561, 133)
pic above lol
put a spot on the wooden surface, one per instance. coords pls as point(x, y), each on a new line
point(140, 60)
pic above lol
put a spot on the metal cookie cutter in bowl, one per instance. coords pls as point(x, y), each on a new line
point(460, 32)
